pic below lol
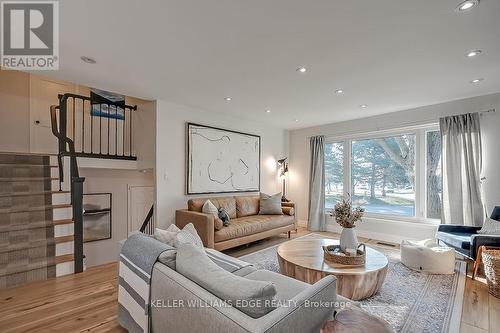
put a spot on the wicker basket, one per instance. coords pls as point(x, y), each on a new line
point(333, 254)
point(491, 260)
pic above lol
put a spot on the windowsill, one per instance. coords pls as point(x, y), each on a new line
point(396, 219)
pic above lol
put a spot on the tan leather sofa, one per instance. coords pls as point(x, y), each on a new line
point(246, 224)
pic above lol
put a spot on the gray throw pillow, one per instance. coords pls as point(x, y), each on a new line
point(224, 216)
point(270, 204)
point(253, 298)
point(490, 227)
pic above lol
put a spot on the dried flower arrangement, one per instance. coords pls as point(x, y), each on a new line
point(344, 215)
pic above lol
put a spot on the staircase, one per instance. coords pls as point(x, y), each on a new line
point(36, 225)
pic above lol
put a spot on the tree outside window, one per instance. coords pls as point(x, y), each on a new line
point(383, 175)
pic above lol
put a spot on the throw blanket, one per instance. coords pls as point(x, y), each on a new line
point(137, 258)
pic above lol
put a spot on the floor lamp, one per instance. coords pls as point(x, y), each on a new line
point(284, 169)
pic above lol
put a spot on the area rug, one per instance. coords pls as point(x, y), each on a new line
point(410, 301)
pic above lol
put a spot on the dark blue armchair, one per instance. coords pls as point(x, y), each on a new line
point(465, 239)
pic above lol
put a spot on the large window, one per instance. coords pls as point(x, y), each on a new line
point(383, 175)
point(398, 174)
point(334, 173)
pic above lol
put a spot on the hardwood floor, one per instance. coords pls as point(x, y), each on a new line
point(86, 302)
point(83, 302)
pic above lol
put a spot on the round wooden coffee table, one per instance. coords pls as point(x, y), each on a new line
point(304, 260)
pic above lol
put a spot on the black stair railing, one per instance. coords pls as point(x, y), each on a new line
point(98, 130)
point(148, 226)
point(76, 188)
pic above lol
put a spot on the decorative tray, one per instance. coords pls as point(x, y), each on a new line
point(334, 254)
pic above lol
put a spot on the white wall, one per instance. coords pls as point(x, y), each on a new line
point(115, 182)
point(170, 153)
point(14, 111)
point(490, 126)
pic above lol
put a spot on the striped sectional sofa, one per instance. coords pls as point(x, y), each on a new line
point(161, 299)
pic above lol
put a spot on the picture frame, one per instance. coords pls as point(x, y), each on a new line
point(221, 160)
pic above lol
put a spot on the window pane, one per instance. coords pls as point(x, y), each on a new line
point(334, 173)
point(433, 174)
point(383, 175)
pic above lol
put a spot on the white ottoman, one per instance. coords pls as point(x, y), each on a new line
point(427, 256)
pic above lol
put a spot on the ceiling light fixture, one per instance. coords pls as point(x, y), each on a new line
point(339, 91)
point(474, 53)
point(268, 111)
point(228, 99)
point(296, 120)
point(301, 69)
point(466, 5)
point(477, 80)
point(363, 106)
point(88, 60)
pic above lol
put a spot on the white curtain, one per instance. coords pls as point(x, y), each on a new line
point(462, 159)
point(317, 220)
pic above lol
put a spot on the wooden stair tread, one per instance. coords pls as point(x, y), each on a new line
point(34, 209)
point(28, 226)
point(21, 165)
point(62, 222)
point(64, 239)
point(64, 258)
point(30, 245)
point(27, 179)
point(27, 194)
point(26, 154)
point(34, 264)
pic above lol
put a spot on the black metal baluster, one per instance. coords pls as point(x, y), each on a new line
point(83, 126)
point(131, 116)
point(74, 116)
point(116, 130)
point(100, 129)
point(109, 114)
point(123, 130)
point(91, 130)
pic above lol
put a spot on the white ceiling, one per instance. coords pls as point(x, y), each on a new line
point(388, 54)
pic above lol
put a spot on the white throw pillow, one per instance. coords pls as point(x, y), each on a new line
point(490, 227)
point(168, 235)
point(209, 208)
point(188, 235)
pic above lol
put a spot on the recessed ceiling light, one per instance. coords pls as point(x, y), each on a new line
point(466, 5)
point(88, 60)
point(296, 120)
point(339, 91)
point(474, 53)
point(302, 69)
point(477, 80)
point(228, 99)
point(363, 106)
point(268, 111)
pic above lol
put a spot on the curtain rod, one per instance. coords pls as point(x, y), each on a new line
point(487, 111)
point(417, 123)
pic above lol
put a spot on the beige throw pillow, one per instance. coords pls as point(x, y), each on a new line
point(188, 235)
point(270, 204)
point(174, 236)
point(168, 235)
point(209, 208)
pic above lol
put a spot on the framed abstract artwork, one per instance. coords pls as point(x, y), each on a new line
point(221, 161)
